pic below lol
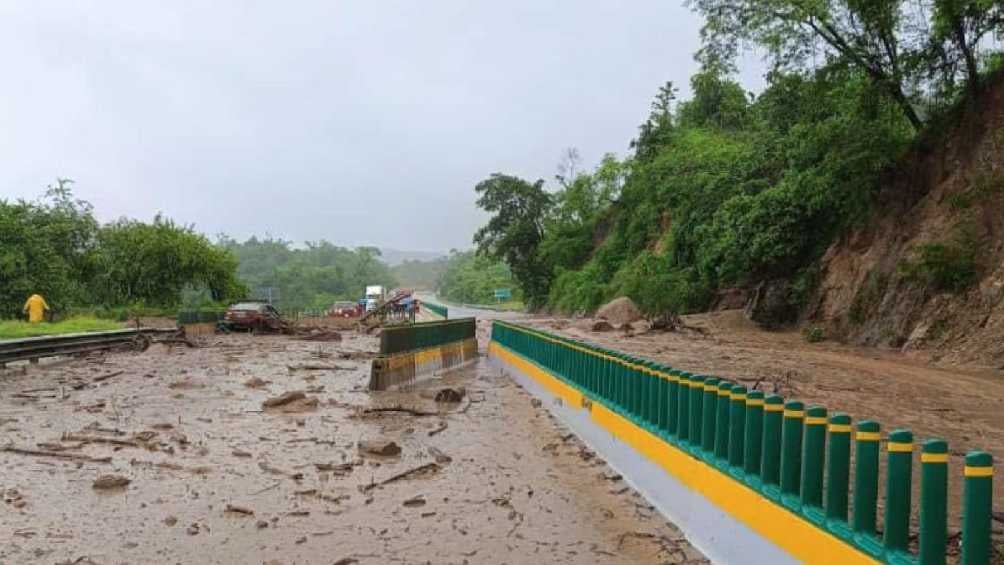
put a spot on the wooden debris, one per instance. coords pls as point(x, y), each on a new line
point(56, 454)
point(421, 469)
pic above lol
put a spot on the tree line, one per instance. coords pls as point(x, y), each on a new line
point(54, 246)
point(730, 189)
point(307, 277)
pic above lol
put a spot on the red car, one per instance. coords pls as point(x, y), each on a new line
point(345, 309)
point(253, 316)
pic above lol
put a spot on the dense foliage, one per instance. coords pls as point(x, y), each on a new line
point(55, 247)
point(472, 279)
point(730, 189)
point(308, 278)
point(418, 274)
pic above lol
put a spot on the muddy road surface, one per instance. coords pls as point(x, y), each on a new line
point(181, 455)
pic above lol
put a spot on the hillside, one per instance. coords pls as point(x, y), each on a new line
point(926, 273)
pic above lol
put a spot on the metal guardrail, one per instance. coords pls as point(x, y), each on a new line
point(33, 348)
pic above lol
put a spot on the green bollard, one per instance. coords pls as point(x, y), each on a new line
point(976, 508)
point(683, 408)
point(660, 382)
point(722, 429)
point(838, 468)
point(899, 475)
point(696, 401)
point(866, 476)
point(737, 428)
point(655, 394)
point(791, 452)
point(813, 456)
point(672, 401)
point(933, 502)
point(754, 433)
point(770, 473)
point(709, 415)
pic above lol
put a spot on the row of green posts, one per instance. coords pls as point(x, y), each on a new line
point(782, 449)
point(412, 337)
point(437, 308)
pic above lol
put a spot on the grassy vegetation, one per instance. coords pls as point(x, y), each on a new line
point(16, 329)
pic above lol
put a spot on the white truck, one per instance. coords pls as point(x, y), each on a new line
point(375, 296)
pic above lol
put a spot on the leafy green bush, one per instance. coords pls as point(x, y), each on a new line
point(942, 267)
point(814, 334)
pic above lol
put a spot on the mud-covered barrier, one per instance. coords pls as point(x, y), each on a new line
point(411, 351)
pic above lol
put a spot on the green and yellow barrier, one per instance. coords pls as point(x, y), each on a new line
point(410, 351)
point(783, 470)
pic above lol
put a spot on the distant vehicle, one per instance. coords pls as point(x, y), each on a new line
point(375, 296)
point(346, 309)
point(253, 316)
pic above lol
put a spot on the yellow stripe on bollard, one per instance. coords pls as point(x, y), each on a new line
point(934, 458)
point(868, 436)
point(897, 447)
point(979, 471)
point(840, 428)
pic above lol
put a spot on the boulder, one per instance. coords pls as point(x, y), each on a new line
point(619, 311)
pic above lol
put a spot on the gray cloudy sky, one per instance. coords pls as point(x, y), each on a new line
point(360, 122)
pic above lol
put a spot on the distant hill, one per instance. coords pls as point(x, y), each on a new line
point(395, 256)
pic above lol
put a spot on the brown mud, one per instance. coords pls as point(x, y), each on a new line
point(173, 459)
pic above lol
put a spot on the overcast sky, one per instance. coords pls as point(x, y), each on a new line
point(359, 122)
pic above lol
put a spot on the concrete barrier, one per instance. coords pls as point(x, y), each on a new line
point(411, 351)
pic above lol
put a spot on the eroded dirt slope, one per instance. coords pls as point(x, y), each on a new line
point(948, 193)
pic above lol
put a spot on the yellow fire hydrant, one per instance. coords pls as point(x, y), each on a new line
point(35, 307)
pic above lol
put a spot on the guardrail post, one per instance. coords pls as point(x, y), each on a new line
point(709, 414)
point(899, 476)
point(838, 467)
point(933, 502)
point(866, 475)
point(813, 456)
point(737, 426)
point(683, 407)
point(696, 402)
point(976, 509)
point(673, 402)
point(772, 415)
point(722, 429)
point(754, 432)
point(791, 449)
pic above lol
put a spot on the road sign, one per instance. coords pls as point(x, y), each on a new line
point(503, 293)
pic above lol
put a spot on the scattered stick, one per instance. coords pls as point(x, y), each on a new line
point(409, 473)
point(268, 488)
point(406, 410)
point(442, 427)
point(57, 454)
point(200, 470)
point(107, 376)
point(318, 368)
point(239, 510)
point(276, 471)
point(99, 439)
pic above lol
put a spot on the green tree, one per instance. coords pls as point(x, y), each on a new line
point(515, 230)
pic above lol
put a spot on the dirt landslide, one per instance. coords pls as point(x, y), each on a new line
point(962, 406)
point(269, 449)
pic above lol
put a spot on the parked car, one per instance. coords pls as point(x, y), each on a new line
point(253, 316)
point(345, 309)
